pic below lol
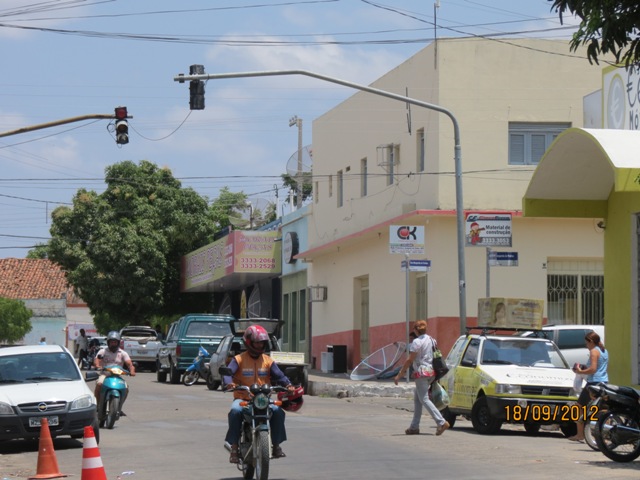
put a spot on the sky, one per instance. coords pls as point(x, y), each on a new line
point(64, 59)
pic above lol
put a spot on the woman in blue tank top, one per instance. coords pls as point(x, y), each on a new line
point(596, 372)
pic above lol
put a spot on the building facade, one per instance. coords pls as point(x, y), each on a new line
point(379, 162)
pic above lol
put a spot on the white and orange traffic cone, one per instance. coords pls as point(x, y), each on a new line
point(47, 462)
point(92, 468)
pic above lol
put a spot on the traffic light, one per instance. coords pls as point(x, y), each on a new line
point(196, 88)
point(122, 126)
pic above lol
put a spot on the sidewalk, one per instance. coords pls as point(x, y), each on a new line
point(340, 385)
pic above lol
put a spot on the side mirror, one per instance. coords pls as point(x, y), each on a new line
point(225, 371)
point(91, 376)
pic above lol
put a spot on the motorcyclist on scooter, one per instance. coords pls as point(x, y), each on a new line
point(112, 355)
point(253, 366)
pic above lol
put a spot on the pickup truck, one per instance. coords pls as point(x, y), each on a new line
point(184, 338)
point(292, 363)
point(142, 345)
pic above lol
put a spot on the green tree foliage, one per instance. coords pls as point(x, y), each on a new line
point(122, 249)
point(40, 251)
point(228, 208)
point(14, 320)
point(606, 27)
point(307, 187)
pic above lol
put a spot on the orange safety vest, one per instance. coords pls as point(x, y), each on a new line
point(251, 370)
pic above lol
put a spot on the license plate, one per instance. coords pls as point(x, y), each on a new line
point(144, 353)
point(35, 421)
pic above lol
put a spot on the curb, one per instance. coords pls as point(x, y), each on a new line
point(345, 390)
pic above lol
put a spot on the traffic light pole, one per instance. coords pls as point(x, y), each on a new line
point(457, 149)
point(41, 126)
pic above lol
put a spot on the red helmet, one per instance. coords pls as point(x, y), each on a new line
point(292, 401)
point(255, 334)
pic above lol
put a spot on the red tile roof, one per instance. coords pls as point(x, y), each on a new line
point(30, 278)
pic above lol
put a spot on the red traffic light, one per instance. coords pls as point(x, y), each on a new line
point(121, 113)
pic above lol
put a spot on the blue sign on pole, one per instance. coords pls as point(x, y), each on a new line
point(416, 265)
point(503, 259)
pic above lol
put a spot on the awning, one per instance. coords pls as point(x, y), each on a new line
point(580, 170)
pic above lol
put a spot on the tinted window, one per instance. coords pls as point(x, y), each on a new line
point(207, 329)
point(470, 357)
point(573, 338)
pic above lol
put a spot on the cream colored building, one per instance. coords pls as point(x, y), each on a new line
point(378, 162)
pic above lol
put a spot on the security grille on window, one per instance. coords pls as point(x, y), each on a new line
point(575, 299)
point(529, 141)
point(388, 158)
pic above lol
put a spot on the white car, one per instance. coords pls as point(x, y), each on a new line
point(570, 340)
point(38, 381)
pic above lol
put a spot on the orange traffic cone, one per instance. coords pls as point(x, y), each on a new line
point(47, 462)
point(92, 468)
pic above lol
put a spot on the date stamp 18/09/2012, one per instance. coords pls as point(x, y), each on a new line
point(551, 413)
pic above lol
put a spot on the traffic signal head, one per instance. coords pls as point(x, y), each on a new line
point(122, 126)
point(196, 88)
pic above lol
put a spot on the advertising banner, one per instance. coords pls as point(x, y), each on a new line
point(488, 230)
point(500, 312)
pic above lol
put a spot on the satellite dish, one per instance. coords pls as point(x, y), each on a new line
point(379, 363)
point(307, 161)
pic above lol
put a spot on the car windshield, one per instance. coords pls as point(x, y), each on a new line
point(37, 367)
point(521, 352)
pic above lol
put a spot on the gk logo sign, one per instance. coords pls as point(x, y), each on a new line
point(406, 239)
point(407, 232)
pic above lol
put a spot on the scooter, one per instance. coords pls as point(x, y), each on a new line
point(197, 369)
point(112, 396)
point(618, 429)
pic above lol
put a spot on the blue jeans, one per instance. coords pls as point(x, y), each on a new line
point(420, 398)
point(278, 432)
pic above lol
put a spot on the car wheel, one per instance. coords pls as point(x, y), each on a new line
point(532, 428)
point(482, 420)
point(449, 417)
point(174, 375)
point(161, 375)
point(212, 384)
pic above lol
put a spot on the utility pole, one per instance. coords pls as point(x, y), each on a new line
point(120, 114)
point(457, 152)
point(299, 179)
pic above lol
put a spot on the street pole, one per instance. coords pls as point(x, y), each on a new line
point(462, 287)
point(299, 179)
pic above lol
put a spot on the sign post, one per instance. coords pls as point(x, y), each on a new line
point(406, 239)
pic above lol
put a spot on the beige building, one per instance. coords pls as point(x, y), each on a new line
point(380, 163)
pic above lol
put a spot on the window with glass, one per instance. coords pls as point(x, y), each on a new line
point(529, 141)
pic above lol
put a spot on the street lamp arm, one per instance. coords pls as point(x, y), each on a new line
point(457, 151)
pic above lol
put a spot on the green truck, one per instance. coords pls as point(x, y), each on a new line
point(184, 338)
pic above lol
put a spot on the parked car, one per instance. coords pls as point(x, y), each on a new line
point(233, 344)
point(570, 340)
point(142, 344)
point(38, 381)
point(184, 338)
point(496, 379)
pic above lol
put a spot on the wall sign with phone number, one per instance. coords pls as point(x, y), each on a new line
point(551, 413)
point(265, 263)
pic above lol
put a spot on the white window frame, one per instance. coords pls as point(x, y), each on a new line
point(529, 141)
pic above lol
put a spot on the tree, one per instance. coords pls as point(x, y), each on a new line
point(307, 187)
point(14, 320)
point(605, 27)
point(228, 208)
point(122, 249)
point(40, 251)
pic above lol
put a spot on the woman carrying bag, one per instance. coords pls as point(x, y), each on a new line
point(421, 359)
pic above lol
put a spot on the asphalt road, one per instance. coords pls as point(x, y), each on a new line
point(177, 432)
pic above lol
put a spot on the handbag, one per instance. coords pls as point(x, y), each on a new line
point(439, 365)
point(439, 396)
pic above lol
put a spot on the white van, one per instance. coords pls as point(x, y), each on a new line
point(570, 340)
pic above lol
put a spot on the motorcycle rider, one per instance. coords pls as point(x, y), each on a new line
point(112, 354)
point(253, 366)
